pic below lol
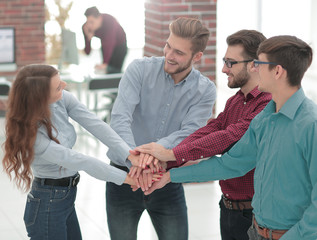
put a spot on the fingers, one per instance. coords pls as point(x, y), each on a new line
point(134, 188)
point(156, 177)
point(141, 160)
point(149, 160)
point(145, 159)
point(138, 172)
point(152, 167)
point(141, 182)
point(146, 180)
point(156, 161)
point(133, 171)
point(137, 182)
point(145, 148)
point(164, 166)
point(152, 188)
point(159, 184)
point(149, 180)
point(134, 152)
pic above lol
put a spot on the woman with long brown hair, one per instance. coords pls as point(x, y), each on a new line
point(39, 141)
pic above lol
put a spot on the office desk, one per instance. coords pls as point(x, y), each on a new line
point(96, 84)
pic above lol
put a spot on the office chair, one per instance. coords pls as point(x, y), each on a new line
point(107, 84)
point(4, 92)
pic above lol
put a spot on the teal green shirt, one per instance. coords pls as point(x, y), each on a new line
point(283, 148)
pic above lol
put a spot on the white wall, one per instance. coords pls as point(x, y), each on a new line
point(271, 17)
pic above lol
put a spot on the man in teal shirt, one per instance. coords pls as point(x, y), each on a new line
point(280, 142)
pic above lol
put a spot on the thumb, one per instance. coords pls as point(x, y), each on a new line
point(134, 152)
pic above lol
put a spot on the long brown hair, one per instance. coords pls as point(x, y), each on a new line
point(28, 108)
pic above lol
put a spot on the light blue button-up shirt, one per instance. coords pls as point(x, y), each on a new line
point(283, 148)
point(150, 107)
point(54, 160)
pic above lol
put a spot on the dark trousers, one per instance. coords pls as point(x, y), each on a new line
point(234, 224)
point(117, 59)
point(166, 207)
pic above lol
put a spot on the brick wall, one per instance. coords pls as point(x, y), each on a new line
point(28, 18)
point(158, 15)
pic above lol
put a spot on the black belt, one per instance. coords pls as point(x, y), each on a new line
point(237, 205)
point(61, 182)
point(120, 167)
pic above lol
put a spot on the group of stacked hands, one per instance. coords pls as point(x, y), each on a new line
point(148, 168)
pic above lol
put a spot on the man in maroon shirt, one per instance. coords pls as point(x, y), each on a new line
point(112, 37)
point(222, 133)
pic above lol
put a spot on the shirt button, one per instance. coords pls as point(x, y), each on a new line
point(163, 122)
point(227, 195)
point(168, 104)
point(183, 160)
point(201, 156)
point(245, 103)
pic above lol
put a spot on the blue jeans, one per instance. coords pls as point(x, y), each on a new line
point(50, 213)
point(234, 224)
point(166, 207)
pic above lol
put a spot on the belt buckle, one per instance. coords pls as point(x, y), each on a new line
point(75, 180)
point(265, 231)
point(228, 203)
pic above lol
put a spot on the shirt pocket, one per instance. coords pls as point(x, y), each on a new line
point(31, 210)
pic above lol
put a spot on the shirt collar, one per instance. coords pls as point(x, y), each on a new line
point(188, 78)
point(289, 109)
point(291, 106)
point(254, 93)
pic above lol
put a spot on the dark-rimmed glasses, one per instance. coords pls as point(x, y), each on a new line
point(257, 63)
point(229, 63)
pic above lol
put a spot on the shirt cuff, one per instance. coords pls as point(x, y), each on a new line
point(117, 176)
point(181, 154)
point(171, 164)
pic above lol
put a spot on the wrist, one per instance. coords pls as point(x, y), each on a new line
point(168, 177)
point(171, 155)
point(128, 180)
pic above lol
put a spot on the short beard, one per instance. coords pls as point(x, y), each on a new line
point(180, 69)
point(240, 79)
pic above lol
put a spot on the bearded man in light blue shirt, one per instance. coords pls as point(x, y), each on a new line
point(163, 100)
point(280, 143)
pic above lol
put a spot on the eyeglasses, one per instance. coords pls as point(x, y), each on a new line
point(257, 63)
point(229, 63)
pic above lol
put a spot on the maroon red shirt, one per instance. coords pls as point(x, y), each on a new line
point(220, 134)
point(111, 35)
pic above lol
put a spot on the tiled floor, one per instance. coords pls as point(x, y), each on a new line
point(202, 201)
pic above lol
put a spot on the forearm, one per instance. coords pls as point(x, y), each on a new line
point(101, 130)
point(215, 168)
point(70, 159)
